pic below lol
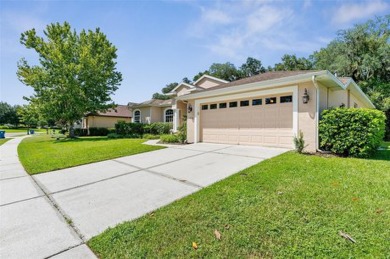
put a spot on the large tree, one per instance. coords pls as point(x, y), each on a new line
point(251, 67)
point(363, 53)
point(292, 62)
point(226, 71)
point(8, 114)
point(76, 73)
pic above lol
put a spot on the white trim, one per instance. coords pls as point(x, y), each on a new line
point(295, 110)
point(355, 87)
point(196, 122)
point(317, 122)
point(140, 115)
point(287, 89)
point(212, 78)
point(180, 85)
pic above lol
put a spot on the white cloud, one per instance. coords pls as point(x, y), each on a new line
point(350, 12)
point(215, 17)
point(231, 28)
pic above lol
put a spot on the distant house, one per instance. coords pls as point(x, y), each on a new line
point(107, 119)
point(152, 111)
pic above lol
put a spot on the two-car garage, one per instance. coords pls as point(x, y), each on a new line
point(262, 120)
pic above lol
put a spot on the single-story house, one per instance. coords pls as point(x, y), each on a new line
point(152, 111)
point(267, 109)
point(107, 119)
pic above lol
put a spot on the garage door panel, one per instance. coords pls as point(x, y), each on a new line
point(269, 125)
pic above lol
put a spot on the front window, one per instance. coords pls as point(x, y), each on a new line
point(137, 116)
point(169, 115)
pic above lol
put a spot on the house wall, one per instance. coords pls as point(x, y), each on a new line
point(324, 92)
point(103, 122)
point(337, 98)
point(354, 100)
point(183, 91)
point(307, 115)
point(157, 114)
point(190, 123)
point(183, 111)
point(208, 83)
point(145, 114)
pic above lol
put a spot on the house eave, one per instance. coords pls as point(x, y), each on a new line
point(259, 85)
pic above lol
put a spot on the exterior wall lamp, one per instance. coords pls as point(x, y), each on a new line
point(305, 97)
point(189, 108)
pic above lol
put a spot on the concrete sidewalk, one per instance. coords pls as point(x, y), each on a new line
point(30, 225)
point(96, 196)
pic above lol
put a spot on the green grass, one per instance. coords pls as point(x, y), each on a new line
point(21, 130)
point(42, 153)
point(289, 206)
point(3, 140)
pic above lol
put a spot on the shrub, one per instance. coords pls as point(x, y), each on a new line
point(182, 133)
point(351, 132)
point(129, 128)
point(80, 132)
point(169, 138)
point(158, 128)
point(299, 142)
point(98, 131)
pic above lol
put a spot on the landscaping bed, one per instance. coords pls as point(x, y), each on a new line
point(40, 154)
point(289, 206)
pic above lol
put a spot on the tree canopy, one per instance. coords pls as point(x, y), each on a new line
point(8, 114)
point(363, 53)
point(76, 73)
point(292, 62)
point(251, 67)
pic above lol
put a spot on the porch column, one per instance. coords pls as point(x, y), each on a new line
point(175, 116)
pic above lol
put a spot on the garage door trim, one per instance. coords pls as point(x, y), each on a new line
point(289, 89)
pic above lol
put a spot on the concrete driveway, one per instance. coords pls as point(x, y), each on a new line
point(90, 198)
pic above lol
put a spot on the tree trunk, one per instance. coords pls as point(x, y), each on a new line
point(71, 130)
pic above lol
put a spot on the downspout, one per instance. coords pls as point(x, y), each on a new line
point(313, 79)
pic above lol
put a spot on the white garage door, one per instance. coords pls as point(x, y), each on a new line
point(264, 121)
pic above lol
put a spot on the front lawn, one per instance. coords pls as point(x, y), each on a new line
point(42, 153)
point(289, 206)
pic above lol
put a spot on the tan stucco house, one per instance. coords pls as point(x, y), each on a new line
point(152, 111)
point(107, 119)
point(267, 109)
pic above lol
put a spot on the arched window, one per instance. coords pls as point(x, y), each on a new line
point(137, 116)
point(169, 115)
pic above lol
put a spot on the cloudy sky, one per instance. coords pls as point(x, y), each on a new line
point(163, 41)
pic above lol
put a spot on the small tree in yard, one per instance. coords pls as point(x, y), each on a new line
point(299, 142)
point(76, 72)
point(29, 116)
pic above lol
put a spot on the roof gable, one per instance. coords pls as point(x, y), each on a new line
point(213, 79)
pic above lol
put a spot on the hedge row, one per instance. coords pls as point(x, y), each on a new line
point(129, 128)
point(352, 132)
point(93, 132)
